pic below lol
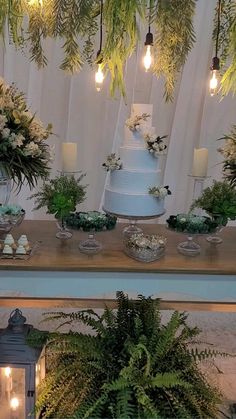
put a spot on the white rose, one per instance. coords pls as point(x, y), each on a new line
point(5, 133)
point(163, 192)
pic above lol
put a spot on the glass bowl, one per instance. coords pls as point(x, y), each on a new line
point(145, 248)
point(8, 221)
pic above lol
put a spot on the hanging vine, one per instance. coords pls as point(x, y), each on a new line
point(173, 40)
point(75, 23)
point(227, 45)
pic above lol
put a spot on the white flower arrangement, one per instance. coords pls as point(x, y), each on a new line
point(23, 153)
point(141, 241)
point(155, 144)
point(159, 191)
point(112, 163)
point(134, 122)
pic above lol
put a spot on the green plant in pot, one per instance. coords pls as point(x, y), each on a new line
point(219, 201)
point(61, 195)
point(133, 366)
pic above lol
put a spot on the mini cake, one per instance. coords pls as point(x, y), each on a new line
point(7, 250)
point(9, 240)
point(21, 250)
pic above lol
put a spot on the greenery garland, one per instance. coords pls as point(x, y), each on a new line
point(75, 24)
point(173, 40)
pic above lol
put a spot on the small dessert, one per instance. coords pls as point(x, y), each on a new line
point(23, 241)
point(20, 250)
point(7, 250)
point(9, 240)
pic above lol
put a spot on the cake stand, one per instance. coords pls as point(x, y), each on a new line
point(132, 228)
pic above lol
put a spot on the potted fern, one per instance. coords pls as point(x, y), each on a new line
point(134, 366)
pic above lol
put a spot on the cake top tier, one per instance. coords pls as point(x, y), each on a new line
point(142, 108)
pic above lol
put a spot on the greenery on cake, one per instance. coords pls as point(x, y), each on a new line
point(135, 121)
point(133, 365)
point(24, 154)
point(229, 153)
point(60, 195)
point(191, 223)
point(155, 144)
point(219, 201)
point(159, 191)
point(112, 163)
point(92, 220)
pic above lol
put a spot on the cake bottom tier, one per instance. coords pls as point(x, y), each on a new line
point(133, 205)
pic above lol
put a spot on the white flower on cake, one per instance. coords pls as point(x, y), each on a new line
point(159, 191)
point(134, 122)
point(112, 163)
point(155, 144)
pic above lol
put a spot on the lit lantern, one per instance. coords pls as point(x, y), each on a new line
point(21, 369)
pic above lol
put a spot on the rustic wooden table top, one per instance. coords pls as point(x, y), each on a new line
point(57, 255)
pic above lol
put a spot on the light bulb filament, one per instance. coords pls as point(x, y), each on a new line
point(14, 403)
point(99, 77)
point(147, 59)
point(213, 83)
point(7, 372)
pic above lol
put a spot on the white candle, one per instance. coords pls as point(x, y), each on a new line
point(200, 162)
point(69, 157)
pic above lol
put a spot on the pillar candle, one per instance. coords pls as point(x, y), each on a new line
point(200, 162)
point(69, 157)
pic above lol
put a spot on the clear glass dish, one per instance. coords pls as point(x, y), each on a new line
point(144, 255)
point(7, 222)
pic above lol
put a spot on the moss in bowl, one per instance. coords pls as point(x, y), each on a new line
point(191, 224)
point(91, 221)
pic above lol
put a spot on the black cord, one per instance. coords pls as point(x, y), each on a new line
point(101, 19)
point(218, 27)
point(149, 17)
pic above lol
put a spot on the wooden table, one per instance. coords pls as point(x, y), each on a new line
point(59, 275)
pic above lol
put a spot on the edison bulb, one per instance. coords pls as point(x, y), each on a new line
point(14, 403)
point(7, 372)
point(214, 82)
point(99, 77)
point(147, 59)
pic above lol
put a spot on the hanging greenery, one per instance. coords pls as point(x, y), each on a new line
point(173, 20)
point(75, 23)
point(227, 45)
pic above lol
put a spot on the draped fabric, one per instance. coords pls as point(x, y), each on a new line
point(96, 122)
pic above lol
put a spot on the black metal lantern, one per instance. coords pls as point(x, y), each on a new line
point(21, 369)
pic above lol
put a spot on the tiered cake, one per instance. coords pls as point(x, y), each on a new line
point(127, 193)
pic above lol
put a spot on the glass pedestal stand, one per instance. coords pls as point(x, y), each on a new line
point(90, 246)
point(189, 247)
point(197, 190)
point(132, 227)
point(215, 238)
point(63, 232)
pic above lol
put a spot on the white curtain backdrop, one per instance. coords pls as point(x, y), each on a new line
point(96, 122)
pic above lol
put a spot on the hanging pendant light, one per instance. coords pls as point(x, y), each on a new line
point(99, 75)
point(215, 67)
point(148, 57)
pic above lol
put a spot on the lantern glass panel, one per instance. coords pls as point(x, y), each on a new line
point(12, 393)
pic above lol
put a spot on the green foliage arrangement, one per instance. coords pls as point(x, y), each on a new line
point(24, 154)
point(76, 23)
point(60, 195)
point(134, 366)
point(229, 152)
point(219, 201)
point(190, 223)
point(174, 39)
point(227, 45)
point(91, 220)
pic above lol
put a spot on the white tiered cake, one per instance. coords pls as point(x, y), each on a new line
point(127, 193)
